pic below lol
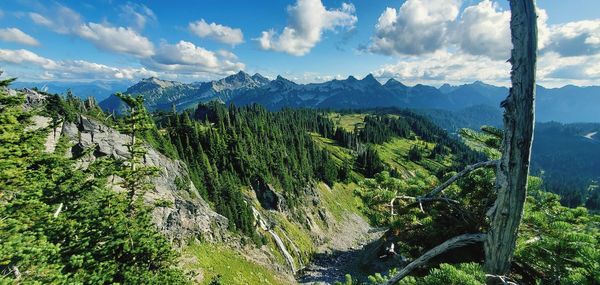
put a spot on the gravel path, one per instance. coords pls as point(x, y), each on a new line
point(331, 266)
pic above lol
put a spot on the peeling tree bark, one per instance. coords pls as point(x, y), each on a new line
point(511, 178)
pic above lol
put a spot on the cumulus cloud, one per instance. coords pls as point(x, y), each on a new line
point(444, 66)
point(17, 36)
point(71, 69)
point(185, 53)
point(137, 15)
point(187, 58)
point(575, 38)
point(105, 37)
point(419, 26)
point(307, 21)
point(117, 39)
point(484, 29)
point(220, 33)
point(25, 56)
point(435, 42)
point(582, 70)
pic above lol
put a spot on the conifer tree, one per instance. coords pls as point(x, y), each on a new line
point(134, 173)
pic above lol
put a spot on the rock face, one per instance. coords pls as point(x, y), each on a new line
point(182, 213)
point(268, 197)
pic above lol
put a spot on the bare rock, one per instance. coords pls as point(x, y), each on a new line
point(181, 214)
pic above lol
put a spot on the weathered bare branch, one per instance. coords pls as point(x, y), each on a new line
point(419, 201)
point(464, 172)
point(455, 242)
point(58, 210)
point(429, 197)
point(503, 279)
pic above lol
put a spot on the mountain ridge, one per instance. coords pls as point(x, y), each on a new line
point(351, 93)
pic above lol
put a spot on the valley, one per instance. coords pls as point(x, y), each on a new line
point(311, 142)
point(303, 200)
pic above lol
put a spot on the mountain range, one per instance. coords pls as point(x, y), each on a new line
point(566, 104)
point(97, 89)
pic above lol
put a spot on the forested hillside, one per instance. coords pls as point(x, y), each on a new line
point(286, 190)
point(567, 156)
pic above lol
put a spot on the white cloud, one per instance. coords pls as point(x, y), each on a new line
point(40, 20)
point(17, 36)
point(137, 15)
point(25, 56)
point(220, 33)
point(187, 58)
point(436, 43)
point(117, 39)
point(581, 70)
point(227, 54)
point(575, 38)
point(419, 26)
point(484, 29)
point(307, 21)
point(71, 69)
point(63, 19)
point(443, 66)
point(185, 53)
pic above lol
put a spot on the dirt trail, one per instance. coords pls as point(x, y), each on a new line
point(342, 254)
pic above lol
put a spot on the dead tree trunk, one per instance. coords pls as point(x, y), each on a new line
point(511, 178)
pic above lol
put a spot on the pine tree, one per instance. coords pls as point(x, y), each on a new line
point(134, 172)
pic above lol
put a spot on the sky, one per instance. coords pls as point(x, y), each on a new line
point(414, 41)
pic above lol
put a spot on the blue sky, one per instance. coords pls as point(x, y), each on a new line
point(415, 41)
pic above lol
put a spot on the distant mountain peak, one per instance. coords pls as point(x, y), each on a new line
point(258, 75)
point(259, 78)
point(394, 83)
point(153, 82)
point(447, 88)
point(351, 78)
point(241, 75)
point(282, 80)
point(370, 79)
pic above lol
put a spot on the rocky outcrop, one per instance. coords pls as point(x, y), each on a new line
point(268, 197)
point(179, 212)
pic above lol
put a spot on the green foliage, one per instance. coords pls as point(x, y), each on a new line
point(230, 148)
point(368, 161)
point(487, 141)
point(557, 245)
point(63, 225)
point(133, 171)
point(447, 274)
point(414, 154)
point(223, 265)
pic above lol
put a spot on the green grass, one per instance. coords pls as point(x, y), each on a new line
point(395, 155)
point(300, 237)
point(339, 153)
point(340, 200)
point(348, 121)
point(233, 268)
